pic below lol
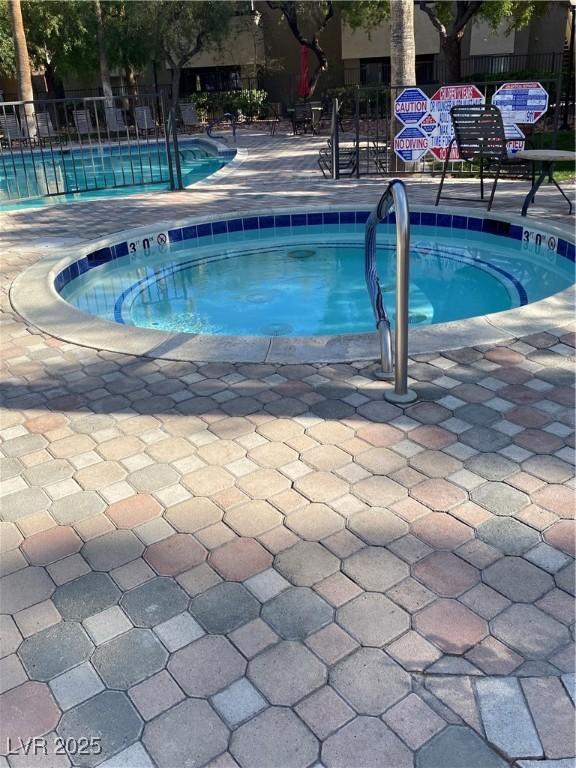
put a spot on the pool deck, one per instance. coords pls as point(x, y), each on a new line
point(239, 564)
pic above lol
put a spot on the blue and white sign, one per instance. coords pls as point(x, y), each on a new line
point(411, 106)
point(411, 144)
point(521, 102)
point(514, 139)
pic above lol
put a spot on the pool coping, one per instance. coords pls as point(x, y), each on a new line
point(35, 299)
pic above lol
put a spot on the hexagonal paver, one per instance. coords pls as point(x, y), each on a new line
point(326, 458)
point(306, 563)
point(206, 666)
point(518, 579)
point(314, 522)
point(145, 481)
point(373, 619)
point(263, 483)
point(176, 554)
point(450, 626)
point(375, 569)
point(438, 495)
point(435, 464)
point(379, 491)
point(364, 742)
point(455, 747)
point(55, 650)
point(551, 469)
point(500, 499)
point(370, 681)
point(378, 526)
point(296, 613)
point(484, 439)
point(27, 711)
point(28, 501)
point(562, 536)
point(240, 559)
point(275, 737)
point(445, 574)
point(330, 433)
point(101, 475)
point(566, 579)
point(129, 658)
point(253, 518)
point(85, 596)
point(380, 461)
point(189, 734)
point(193, 514)
point(50, 545)
point(555, 498)
point(109, 717)
point(224, 607)
point(24, 588)
point(272, 455)
point(321, 486)
point(133, 511)
point(530, 631)
point(287, 672)
point(77, 506)
point(508, 535)
point(154, 602)
point(112, 550)
point(208, 481)
point(442, 531)
point(492, 466)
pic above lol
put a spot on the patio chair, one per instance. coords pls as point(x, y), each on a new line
point(115, 121)
point(302, 117)
point(83, 122)
point(347, 160)
point(12, 132)
point(144, 119)
point(46, 130)
point(189, 116)
point(480, 137)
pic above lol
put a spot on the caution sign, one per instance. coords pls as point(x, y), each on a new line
point(411, 106)
point(441, 103)
point(411, 144)
point(521, 102)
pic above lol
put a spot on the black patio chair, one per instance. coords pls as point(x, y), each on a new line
point(479, 136)
point(302, 117)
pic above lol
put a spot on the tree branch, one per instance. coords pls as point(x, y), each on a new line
point(470, 9)
point(434, 19)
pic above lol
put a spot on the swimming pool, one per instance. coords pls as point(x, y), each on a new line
point(60, 174)
point(303, 274)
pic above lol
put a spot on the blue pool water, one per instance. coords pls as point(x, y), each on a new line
point(98, 172)
point(306, 280)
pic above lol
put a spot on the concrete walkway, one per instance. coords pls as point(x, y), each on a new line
point(270, 566)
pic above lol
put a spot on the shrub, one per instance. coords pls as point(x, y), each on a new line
point(212, 104)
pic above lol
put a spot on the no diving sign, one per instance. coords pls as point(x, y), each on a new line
point(411, 144)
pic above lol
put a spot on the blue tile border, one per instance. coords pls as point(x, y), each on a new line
point(313, 219)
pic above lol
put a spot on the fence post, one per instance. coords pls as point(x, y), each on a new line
point(335, 141)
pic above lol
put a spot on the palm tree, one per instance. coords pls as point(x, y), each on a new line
point(402, 46)
point(104, 70)
point(25, 92)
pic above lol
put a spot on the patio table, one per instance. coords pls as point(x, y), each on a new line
point(546, 158)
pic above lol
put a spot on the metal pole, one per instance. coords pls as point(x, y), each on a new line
point(335, 141)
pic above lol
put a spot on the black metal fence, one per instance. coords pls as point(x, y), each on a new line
point(367, 126)
point(68, 146)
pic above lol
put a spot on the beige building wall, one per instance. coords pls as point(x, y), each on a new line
point(358, 44)
point(484, 41)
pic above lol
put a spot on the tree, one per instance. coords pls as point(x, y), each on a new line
point(23, 72)
point(103, 58)
point(451, 19)
point(181, 29)
point(402, 45)
point(314, 16)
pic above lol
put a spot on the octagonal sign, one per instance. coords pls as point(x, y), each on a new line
point(411, 106)
point(411, 144)
point(521, 102)
point(441, 103)
point(514, 139)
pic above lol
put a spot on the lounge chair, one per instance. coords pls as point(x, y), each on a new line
point(115, 121)
point(83, 122)
point(144, 119)
point(189, 116)
point(347, 160)
point(12, 132)
point(46, 130)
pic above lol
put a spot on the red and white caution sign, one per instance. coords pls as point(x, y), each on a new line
point(441, 103)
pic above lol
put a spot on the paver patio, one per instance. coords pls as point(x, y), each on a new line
point(230, 578)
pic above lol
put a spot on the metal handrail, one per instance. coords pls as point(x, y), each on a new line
point(394, 197)
point(225, 116)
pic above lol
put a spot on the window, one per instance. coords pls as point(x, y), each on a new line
point(377, 71)
point(210, 79)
